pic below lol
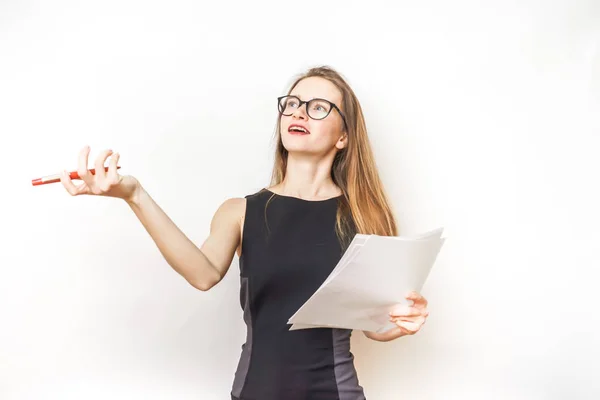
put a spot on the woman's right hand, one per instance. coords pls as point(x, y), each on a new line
point(101, 183)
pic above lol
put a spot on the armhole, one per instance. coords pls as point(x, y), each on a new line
point(243, 218)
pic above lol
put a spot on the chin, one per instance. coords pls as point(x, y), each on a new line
point(303, 149)
point(295, 143)
point(297, 148)
point(302, 144)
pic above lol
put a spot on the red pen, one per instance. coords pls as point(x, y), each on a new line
point(56, 178)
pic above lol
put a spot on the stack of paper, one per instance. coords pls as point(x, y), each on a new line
point(373, 275)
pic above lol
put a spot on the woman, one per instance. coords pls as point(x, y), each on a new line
point(288, 237)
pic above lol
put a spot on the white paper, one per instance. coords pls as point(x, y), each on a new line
point(373, 276)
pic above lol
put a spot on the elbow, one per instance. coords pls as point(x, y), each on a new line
point(204, 284)
point(201, 277)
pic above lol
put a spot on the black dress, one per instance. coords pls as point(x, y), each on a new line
point(289, 248)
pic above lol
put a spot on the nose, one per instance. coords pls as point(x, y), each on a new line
point(301, 112)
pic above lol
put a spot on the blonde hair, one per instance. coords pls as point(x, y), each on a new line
point(354, 169)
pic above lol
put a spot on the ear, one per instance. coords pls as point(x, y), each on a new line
point(342, 141)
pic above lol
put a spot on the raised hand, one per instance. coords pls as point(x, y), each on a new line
point(102, 183)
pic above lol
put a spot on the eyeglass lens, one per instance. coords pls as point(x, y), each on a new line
point(316, 108)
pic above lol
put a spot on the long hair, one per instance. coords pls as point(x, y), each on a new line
point(364, 207)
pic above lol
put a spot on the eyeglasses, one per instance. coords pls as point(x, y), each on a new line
point(315, 108)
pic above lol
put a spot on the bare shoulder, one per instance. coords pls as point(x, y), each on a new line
point(231, 210)
point(233, 204)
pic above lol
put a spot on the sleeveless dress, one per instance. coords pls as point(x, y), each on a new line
point(289, 247)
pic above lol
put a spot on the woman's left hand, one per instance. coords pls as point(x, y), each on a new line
point(410, 319)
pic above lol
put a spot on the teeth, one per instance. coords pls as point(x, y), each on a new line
point(297, 128)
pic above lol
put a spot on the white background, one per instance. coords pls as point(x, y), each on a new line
point(484, 117)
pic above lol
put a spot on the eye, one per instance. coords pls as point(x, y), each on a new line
point(319, 106)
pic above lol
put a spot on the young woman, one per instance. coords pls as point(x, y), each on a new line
point(289, 237)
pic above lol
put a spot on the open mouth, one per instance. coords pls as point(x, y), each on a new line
point(298, 130)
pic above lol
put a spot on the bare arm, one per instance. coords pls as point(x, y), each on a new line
point(202, 267)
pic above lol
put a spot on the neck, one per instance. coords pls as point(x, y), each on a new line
point(308, 178)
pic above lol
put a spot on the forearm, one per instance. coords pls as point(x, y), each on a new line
point(177, 249)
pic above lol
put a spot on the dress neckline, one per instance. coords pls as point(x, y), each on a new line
point(283, 196)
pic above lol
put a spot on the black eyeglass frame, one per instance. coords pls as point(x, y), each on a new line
point(307, 113)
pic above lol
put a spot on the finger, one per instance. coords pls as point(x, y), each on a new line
point(99, 165)
point(418, 300)
point(112, 174)
point(82, 167)
point(417, 320)
point(410, 327)
point(71, 188)
point(405, 311)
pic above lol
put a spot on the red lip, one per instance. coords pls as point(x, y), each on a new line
point(296, 132)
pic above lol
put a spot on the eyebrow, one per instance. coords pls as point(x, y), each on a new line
point(312, 98)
